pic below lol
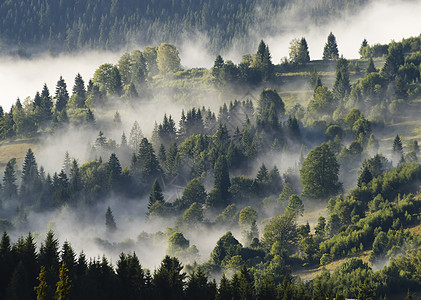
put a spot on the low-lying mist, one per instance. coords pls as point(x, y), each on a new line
point(23, 77)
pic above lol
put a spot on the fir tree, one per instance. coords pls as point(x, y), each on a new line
point(64, 284)
point(330, 50)
point(9, 186)
point(62, 96)
point(41, 288)
point(110, 224)
point(370, 68)
point(79, 92)
point(156, 194)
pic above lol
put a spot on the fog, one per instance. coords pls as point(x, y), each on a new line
point(23, 77)
point(378, 22)
point(85, 228)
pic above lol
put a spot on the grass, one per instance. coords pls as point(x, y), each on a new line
point(311, 273)
point(16, 149)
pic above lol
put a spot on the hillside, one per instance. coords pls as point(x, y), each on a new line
point(248, 180)
point(28, 27)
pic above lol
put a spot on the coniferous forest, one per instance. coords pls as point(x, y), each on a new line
point(256, 179)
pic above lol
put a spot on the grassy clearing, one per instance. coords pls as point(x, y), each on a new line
point(16, 149)
point(311, 273)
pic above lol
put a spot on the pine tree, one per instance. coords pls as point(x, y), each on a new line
point(147, 162)
point(67, 164)
point(6, 262)
point(341, 87)
point(397, 149)
point(64, 284)
point(156, 194)
point(168, 279)
point(131, 277)
point(110, 224)
point(75, 179)
point(364, 44)
point(217, 70)
point(135, 136)
point(68, 258)
point(41, 289)
point(46, 108)
point(79, 91)
point(262, 174)
point(62, 96)
point(221, 175)
point(49, 258)
point(172, 162)
point(123, 143)
point(29, 173)
point(114, 171)
point(370, 68)
point(90, 118)
point(330, 50)
point(9, 186)
point(115, 85)
point(319, 173)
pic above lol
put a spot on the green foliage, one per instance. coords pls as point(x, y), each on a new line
point(177, 243)
point(322, 102)
point(167, 58)
point(226, 247)
point(319, 173)
point(281, 229)
point(64, 284)
point(168, 279)
point(110, 224)
point(295, 206)
point(298, 51)
point(330, 51)
point(270, 109)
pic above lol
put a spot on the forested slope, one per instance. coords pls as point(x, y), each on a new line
point(56, 26)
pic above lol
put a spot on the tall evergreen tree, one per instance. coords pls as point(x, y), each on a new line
point(64, 284)
point(110, 224)
point(62, 96)
point(330, 50)
point(115, 85)
point(168, 280)
point(114, 171)
point(370, 68)
point(342, 87)
point(79, 92)
point(319, 173)
point(49, 258)
point(156, 194)
point(222, 179)
point(9, 186)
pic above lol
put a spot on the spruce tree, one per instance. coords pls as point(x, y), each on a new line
point(110, 224)
point(79, 92)
point(342, 87)
point(319, 173)
point(67, 164)
point(62, 96)
point(64, 284)
point(9, 186)
point(221, 175)
point(370, 68)
point(114, 171)
point(41, 288)
point(49, 258)
point(330, 50)
point(156, 194)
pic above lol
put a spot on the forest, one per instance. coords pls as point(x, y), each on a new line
point(29, 27)
point(249, 180)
